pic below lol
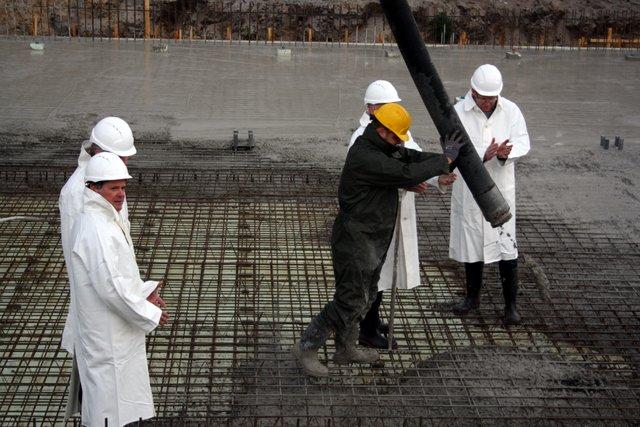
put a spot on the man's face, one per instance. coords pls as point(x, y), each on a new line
point(485, 103)
point(113, 191)
point(373, 107)
point(389, 136)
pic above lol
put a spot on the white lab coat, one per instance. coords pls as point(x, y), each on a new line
point(111, 317)
point(70, 206)
point(472, 238)
point(408, 264)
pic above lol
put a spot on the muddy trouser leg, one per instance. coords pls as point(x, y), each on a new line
point(473, 281)
point(369, 325)
point(509, 280)
point(316, 333)
point(356, 289)
point(306, 350)
point(338, 315)
point(346, 349)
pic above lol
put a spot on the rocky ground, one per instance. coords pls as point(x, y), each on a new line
point(483, 21)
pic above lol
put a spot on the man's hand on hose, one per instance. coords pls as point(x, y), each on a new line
point(420, 188)
point(447, 179)
point(451, 145)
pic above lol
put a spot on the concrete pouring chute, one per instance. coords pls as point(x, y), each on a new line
point(491, 202)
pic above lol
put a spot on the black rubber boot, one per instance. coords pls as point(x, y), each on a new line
point(473, 278)
point(369, 325)
point(509, 280)
point(383, 328)
point(371, 334)
point(376, 341)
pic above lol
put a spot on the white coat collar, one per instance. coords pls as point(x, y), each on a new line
point(96, 203)
point(84, 156)
point(468, 103)
point(365, 119)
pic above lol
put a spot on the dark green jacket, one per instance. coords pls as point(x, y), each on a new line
point(368, 196)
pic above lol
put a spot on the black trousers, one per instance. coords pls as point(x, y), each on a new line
point(473, 271)
point(369, 325)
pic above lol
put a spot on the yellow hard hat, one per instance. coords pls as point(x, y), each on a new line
point(395, 118)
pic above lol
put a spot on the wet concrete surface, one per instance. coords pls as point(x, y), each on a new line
point(305, 108)
point(302, 111)
point(203, 91)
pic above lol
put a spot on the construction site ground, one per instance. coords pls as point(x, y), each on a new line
point(242, 238)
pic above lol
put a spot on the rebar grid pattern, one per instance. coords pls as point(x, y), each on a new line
point(246, 256)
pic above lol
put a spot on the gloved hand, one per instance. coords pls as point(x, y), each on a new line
point(451, 145)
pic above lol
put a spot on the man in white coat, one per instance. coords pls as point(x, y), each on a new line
point(499, 134)
point(372, 329)
point(113, 135)
point(109, 307)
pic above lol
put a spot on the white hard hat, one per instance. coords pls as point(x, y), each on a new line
point(105, 167)
point(381, 92)
point(114, 135)
point(487, 80)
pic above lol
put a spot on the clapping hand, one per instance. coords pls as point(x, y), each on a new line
point(501, 151)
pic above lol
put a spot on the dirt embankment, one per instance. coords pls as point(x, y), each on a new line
point(521, 22)
point(483, 21)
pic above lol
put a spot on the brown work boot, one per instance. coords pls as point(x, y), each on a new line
point(309, 361)
point(348, 352)
point(355, 354)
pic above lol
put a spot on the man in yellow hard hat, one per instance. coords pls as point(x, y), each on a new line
point(404, 260)
point(376, 166)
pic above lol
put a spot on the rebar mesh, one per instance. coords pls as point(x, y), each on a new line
point(244, 247)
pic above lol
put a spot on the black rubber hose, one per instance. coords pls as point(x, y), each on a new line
point(491, 202)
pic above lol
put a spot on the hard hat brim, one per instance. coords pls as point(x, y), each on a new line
point(106, 179)
point(404, 137)
point(372, 101)
point(120, 153)
point(487, 93)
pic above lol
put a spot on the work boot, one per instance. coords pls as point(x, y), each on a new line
point(473, 279)
point(306, 350)
point(309, 361)
point(348, 352)
point(376, 340)
point(509, 280)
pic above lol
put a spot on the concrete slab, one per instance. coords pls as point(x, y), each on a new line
point(199, 90)
point(305, 107)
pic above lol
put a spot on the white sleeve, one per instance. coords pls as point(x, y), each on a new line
point(518, 137)
point(122, 297)
point(121, 294)
point(146, 288)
